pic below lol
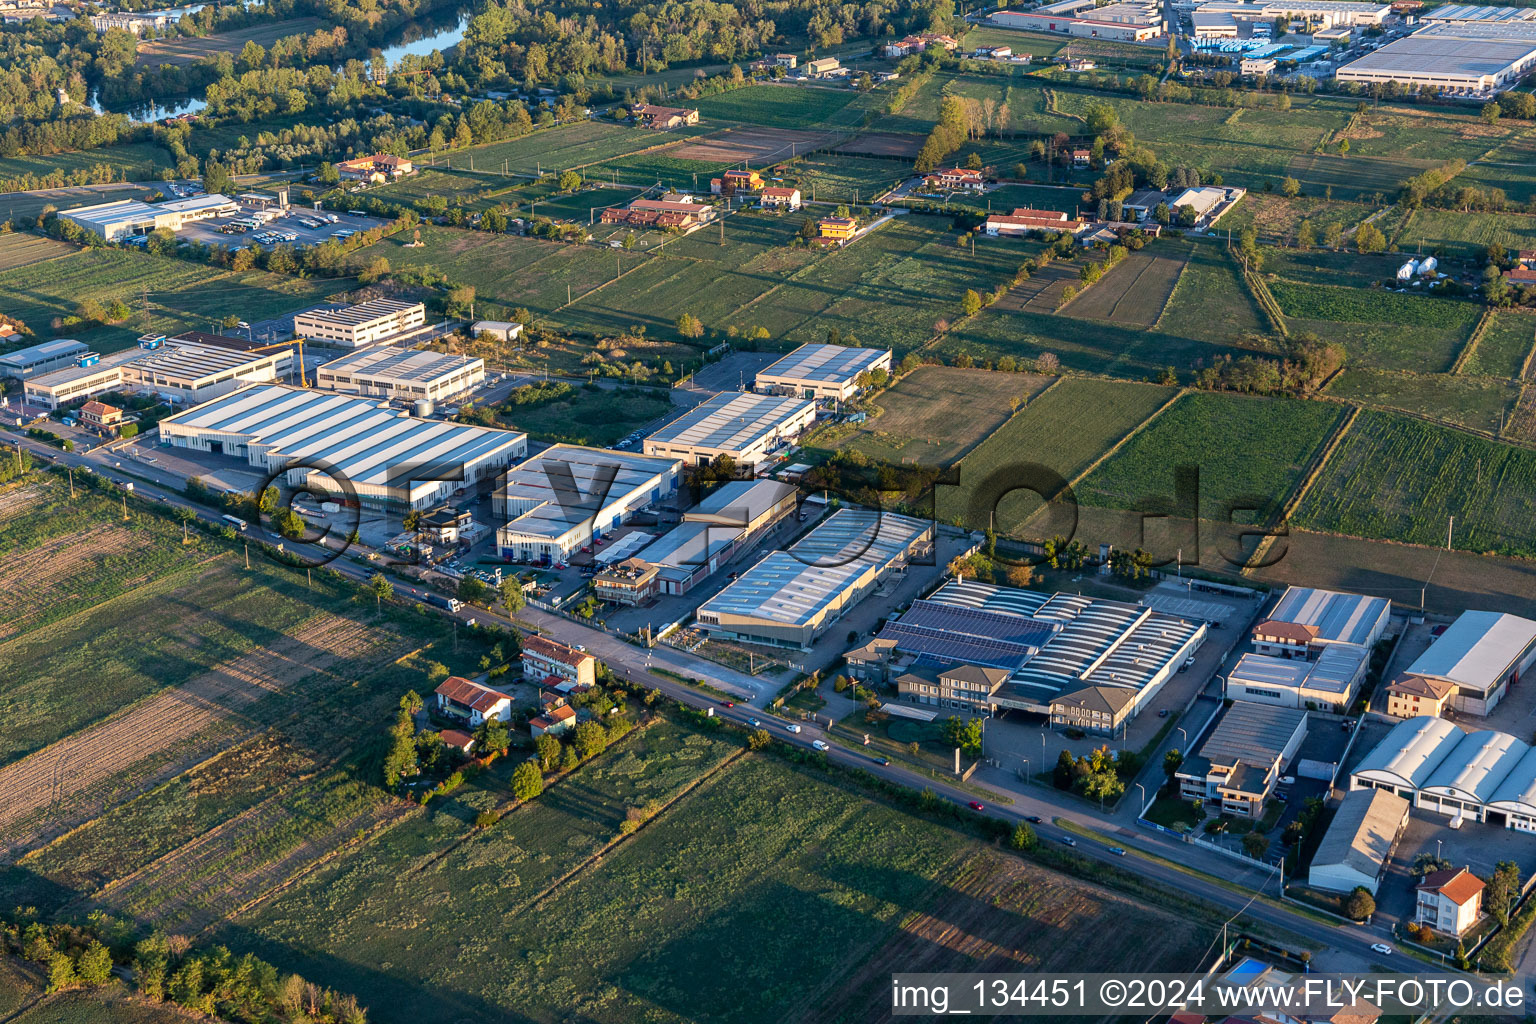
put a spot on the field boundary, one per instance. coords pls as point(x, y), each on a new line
point(1319, 461)
point(1478, 330)
point(1266, 300)
point(1016, 413)
point(1138, 428)
point(1530, 354)
point(618, 840)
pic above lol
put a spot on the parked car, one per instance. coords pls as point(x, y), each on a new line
point(819, 744)
point(1287, 780)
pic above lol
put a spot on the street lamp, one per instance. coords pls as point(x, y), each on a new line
point(1026, 771)
point(1143, 793)
point(1183, 735)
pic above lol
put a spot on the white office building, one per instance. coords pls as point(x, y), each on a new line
point(401, 374)
point(364, 324)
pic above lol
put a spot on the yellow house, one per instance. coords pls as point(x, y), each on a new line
point(744, 180)
point(838, 229)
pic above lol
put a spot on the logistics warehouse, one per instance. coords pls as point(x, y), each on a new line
point(391, 459)
point(127, 217)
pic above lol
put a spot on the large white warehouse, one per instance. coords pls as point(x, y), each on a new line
point(392, 460)
point(1485, 776)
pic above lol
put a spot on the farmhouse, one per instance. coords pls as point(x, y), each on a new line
point(660, 213)
point(664, 118)
point(558, 665)
point(36, 359)
point(401, 374)
point(1461, 58)
point(569, 496)
point(1024, 220)
point(1473, 662)
point(367, 323)
point(177, 371)
point(1449, 901)
point(837, 229)
point(822, 371)
point(952, 178)
point(1359, 841)
point(785, 60)
point(458, 697)
point(117, 220)
point(556, 719)
point(1238, 764)
point(789, 598)
point(332, 441)
point(749, 429)
point(823, 67)
point(376, 169)
point(775, 197)
point(732, 182)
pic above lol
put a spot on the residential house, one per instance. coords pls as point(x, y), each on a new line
point(775, 197)
point(545, 660)
point(458, 739)
point(786, 60)
point(961, 687)
point(951, 178)
point(837, 229)
point(1080, 64)
point(1081, 156)
point(649, 115)
point(1024, 220)
point(1449, 901)
point(1411, 696)
point(822, 67)
point(871, 663)
point(660, 213)
point(555, 718)
point(458, 697)
point(632, 582)
point(104, 417)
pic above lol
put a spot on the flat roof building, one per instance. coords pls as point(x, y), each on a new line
point(1473, 58)
point(1085, 28)
point(401, 374)
point(1329, 683)
point(117, 220)
point(568, 495)
point(748, 428)
point(328, 438)
point(1479, 655)
point(789, 598)
point(1306, 620)
point(177, 371)
point(41, 358)
point(364, 324)
point(823, 371)
point(1359, 841)
point(1240, 760)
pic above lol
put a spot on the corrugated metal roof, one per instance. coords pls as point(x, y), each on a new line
point(825, 363)
point(1408, 754)
point(1362, 832)
point(732, 421)
point(1337, 617)
point(1479, 649)
point(399, 365)
point(1473, 769)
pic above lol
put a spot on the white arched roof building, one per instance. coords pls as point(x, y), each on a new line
point(1486, 776)
point(1466, 779)
point(1407, 756)
point(1515, 797)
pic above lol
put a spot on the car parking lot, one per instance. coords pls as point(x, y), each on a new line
point(299, 227)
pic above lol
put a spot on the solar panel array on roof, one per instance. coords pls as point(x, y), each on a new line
point(985, 596)
point(946, 635)
point(732, 422)
point(826, 363)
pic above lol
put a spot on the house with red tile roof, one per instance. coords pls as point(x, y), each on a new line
point(474, 702)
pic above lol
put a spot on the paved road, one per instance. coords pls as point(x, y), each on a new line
point(1343, 948)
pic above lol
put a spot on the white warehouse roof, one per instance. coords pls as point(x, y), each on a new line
point(833, 364)
point(1410, 753)
point(1337, 617)
point(732, 422)
point(1473, 769)
point(1478, 650)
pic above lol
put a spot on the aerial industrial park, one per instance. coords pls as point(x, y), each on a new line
point(734, 514)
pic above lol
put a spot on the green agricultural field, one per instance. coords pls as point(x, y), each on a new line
point(19, 249)
point(1068, 199)
point(344, 923)
point(1503, 348)
point(561, 148)
point(135, 161)
point(835, 178)
point(642, 934)
point(102, 1006)
point(1401, 479)
point(593, 416)
point(1482, 403)
point(1210, 302)
point(1278, 219)
point(1251, 454)
point(181, 295)
point(777, 106)
point(1328, 267)
point(1379, 328)
point(1466, 235)
point(1065, 430)
point(1510, 167)
point(936, 414)
point(507, 271)
point(1353, 178)
point(1417, 133)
